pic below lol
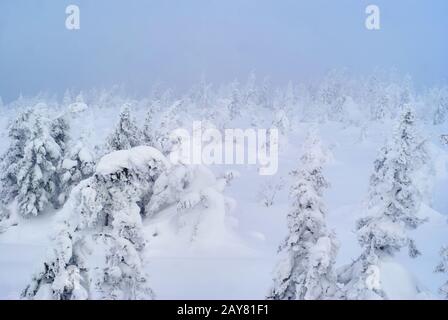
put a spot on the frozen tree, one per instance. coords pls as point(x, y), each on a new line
point(60, 276)
point(169, 121)
point(203, 98)
point(67, 99)
point(442, 267)
point(98, 249)
point(393, 210)
point(59, 131)
point(195, 198)
point(234, 107)
point(126, 134)
point(30, 163)
point(310, 249)
point(149, 126)
point(379, 177)
point(330, 95)
point(37, 176)
point(437, 100)
point(264, 95)
point(78, 164)
point(19, 133)
point(281, 122)
point(375, 96)
point(250, 93)
point(77, 106)
point(250, 101)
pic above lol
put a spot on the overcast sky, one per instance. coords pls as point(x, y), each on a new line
point(137, 42)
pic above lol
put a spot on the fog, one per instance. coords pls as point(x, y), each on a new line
point(139, 42)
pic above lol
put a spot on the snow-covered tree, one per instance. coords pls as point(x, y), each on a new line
point(77, 106)
point(19, 133)
point(169, 121)
point(437, 100)
point(99, 245)
point(442, 267)
point(394, 202)
point(59, 131)
point(78, 164)
point(306, 272)
point(37, 176)
point(60, 277)
point(234, 106)
point(379, 177)
point(194, 200)
point(330, 95)
point(149, 126)
point(126, 134)
point(264, 95)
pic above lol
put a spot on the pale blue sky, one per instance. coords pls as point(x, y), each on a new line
point(137, 42)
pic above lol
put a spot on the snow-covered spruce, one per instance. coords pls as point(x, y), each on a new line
point(438, 98)
point(19, 133)
point(126, 134)
point(306, 272)
point(169, 121)
point(37, 177)
point(380, 177)
point(149, 126)
point(99, 242)
point(31, 163)
point(234, 102)
point(394, 203)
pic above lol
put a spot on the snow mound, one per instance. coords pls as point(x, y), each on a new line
point(397, 282)
point(135, 158)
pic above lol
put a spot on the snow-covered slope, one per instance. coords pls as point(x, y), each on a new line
point(236, 235)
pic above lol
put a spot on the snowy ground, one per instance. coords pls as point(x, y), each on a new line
point(241, 268)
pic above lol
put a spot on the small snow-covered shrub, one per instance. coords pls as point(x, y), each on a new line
point(269, 191)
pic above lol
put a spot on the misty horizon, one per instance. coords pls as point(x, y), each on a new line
point(139, 43)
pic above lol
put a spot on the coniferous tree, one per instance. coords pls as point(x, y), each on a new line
point(98, 250)
point(126, 134)
point(438, 101)
point(393, 210)
point(19, 133)
point(235, 101)
point(149, 127)
point(37, 176)
point(78, 164)
point(310, 248)
point(380, 176)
